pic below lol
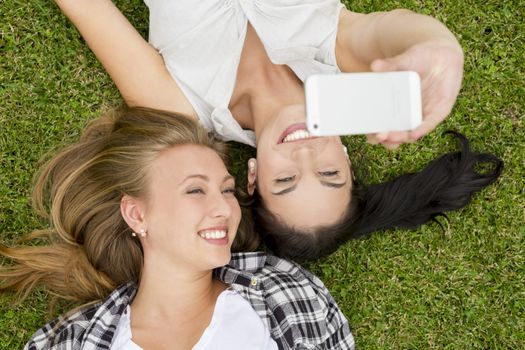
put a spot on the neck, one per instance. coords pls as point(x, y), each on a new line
point(168, 295)
point(262, 87)
point(266, 108)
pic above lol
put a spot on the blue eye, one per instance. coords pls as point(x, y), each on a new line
point(285, 179)
point(329, 173)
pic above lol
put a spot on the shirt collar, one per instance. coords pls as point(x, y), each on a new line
point(241, 271)
point(248, 262)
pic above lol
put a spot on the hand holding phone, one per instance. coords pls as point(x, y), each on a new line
point(362, 103)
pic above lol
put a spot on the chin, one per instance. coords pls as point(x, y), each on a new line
point(220, 259)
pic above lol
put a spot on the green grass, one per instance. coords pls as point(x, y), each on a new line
point(427, 289)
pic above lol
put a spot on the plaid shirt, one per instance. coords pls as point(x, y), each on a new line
point(294, 304)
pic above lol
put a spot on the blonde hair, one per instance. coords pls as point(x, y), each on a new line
point(89, 248)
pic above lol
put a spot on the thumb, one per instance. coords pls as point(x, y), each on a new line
point(383, 65)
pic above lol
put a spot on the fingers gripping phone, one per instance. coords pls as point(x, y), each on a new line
point(362, 103)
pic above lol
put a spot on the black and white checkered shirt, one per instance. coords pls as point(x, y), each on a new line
point(294, 304)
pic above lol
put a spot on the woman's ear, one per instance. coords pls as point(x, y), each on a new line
point(132, 210)
point(252, 175)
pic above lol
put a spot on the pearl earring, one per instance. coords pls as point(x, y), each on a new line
point(251, 165)
point(142, 233)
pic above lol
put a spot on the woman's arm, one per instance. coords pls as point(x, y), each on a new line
point(404, 40)
point(135, 66)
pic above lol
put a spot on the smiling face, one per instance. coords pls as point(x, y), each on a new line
point(304, 180)
point(191, 212)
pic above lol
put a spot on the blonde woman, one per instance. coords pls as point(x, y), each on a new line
point(143, 215)
point(238, 67)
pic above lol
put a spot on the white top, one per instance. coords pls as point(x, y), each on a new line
point(234, 325)
point(201, 43)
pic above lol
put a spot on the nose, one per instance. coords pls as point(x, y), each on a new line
point(219, 206)
point(304, 152)
point(310, 147)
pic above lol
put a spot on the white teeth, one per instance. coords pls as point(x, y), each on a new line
point(297, 135)
point(218, 234)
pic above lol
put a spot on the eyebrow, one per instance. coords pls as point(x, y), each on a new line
point(324, 183)
point(206, 178)
point(332, 184)
point(285, 191)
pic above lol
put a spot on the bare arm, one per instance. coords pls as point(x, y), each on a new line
point(134, 65)
point(363, 38)
point(403, 40)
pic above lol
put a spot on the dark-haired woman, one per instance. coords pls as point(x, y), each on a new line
point(407, 201)
point(143, 215)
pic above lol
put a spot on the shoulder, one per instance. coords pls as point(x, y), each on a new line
point(272, 270)
point(302, 310)
point(94, 324)
point(283, 283)
point(300, 300)
point(296, 305)
point(284, 271)
point(64, 331)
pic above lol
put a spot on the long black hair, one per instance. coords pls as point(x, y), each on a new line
point(407, 201)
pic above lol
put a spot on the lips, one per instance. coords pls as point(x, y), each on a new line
point(295, 132)
point(215, 235)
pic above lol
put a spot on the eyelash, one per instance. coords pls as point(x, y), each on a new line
point(285, 179)
point(329, 173)
point(195, 191)
point(231, 190)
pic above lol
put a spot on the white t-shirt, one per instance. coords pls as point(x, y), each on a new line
point(201, 43)
point(234, 325)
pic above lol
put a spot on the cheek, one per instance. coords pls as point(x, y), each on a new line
point(181, 213)
point(236, 211)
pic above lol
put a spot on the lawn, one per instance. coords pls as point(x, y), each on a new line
point(458, 288)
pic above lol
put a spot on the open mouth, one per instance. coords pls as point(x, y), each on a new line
point(215, 235)
point(295, 132)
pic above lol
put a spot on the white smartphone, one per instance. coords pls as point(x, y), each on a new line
point(362, 103)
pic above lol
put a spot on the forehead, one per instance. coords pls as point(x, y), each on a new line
point(310, 206)
point(179, 161)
